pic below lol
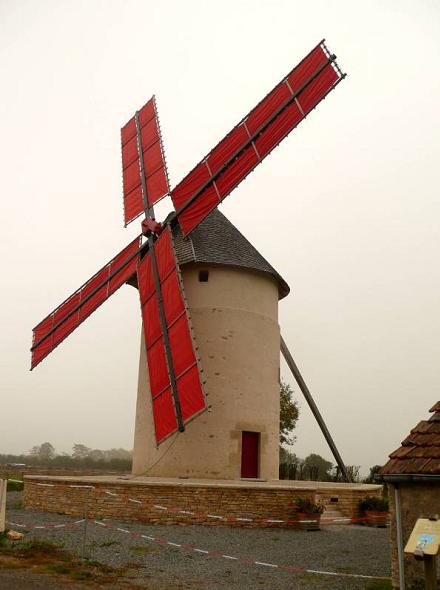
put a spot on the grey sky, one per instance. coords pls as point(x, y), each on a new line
point(347, 208)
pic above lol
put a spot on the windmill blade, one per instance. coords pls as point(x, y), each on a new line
point(49, 333)
point(141, 135)
point(255, 137)
point(175, 382)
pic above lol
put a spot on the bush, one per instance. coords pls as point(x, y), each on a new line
point(4, 537)
point(307, 506)
point(14, 486)
point(37, 548)
point(374, 504)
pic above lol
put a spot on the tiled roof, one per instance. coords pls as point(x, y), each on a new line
point(217, 241)
point(420, 451)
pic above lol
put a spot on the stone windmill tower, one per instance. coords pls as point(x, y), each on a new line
point(196, 264)
point(232, 294)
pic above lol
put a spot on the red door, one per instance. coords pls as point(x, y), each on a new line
point(250, 443)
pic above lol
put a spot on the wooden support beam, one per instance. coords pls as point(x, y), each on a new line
point(312, 405)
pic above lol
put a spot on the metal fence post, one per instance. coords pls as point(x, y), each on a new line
point(399, 535)
point(3, 488)
point(86, 518)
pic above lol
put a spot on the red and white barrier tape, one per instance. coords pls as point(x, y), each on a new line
point(220, 554)
point(32, 526)
point(187, 547)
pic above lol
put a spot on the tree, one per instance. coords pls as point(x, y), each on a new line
point(290, 464)
point(44, 451)
point(373, 472)
point(80, 451)
point(97, 455)
point(288, 458)
point(317, 467)
point(289, 414)
point(47, 451)
point(118, 454)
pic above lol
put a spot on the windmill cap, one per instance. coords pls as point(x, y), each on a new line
point(217, 241)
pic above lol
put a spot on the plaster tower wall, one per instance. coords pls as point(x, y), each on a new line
point(235, 320)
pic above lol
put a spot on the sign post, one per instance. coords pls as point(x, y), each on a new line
point(430, 564)
point(3, 486)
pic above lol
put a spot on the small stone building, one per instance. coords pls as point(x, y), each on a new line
point(413, 478)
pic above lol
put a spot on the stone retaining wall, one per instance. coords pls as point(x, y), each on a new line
point(345, 500)
point(135, 499)
point(227, 501)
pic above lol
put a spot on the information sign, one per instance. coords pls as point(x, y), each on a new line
point(425, 537)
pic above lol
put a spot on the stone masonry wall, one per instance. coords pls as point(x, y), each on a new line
point(229, 501)
point(345, 500)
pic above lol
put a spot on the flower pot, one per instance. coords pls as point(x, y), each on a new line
point(308, 521)
point(376, 518)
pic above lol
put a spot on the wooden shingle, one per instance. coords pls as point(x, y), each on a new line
point(420, 451)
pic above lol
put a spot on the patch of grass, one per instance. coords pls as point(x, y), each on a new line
point(109, 543)
point(50, 558)
point(9, 563)
point(81, 575)
point(141, 549)
point(379, 585)
point(37, 548)
point(134, 565)
point(58, 568)
point(102, 567)
point(92, 563)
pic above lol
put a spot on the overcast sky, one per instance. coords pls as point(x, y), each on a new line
point(346, 209)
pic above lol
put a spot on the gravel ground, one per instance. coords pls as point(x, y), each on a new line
point(160, 566)
point(27, 580)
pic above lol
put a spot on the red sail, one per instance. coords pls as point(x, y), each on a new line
point(156, 175)
point(76, 308)
point(254, 137)
point(186, 370)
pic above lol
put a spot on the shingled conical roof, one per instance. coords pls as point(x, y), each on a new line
point(217, 241)
point(420, 451)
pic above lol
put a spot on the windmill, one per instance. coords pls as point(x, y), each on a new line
point(176, 381)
